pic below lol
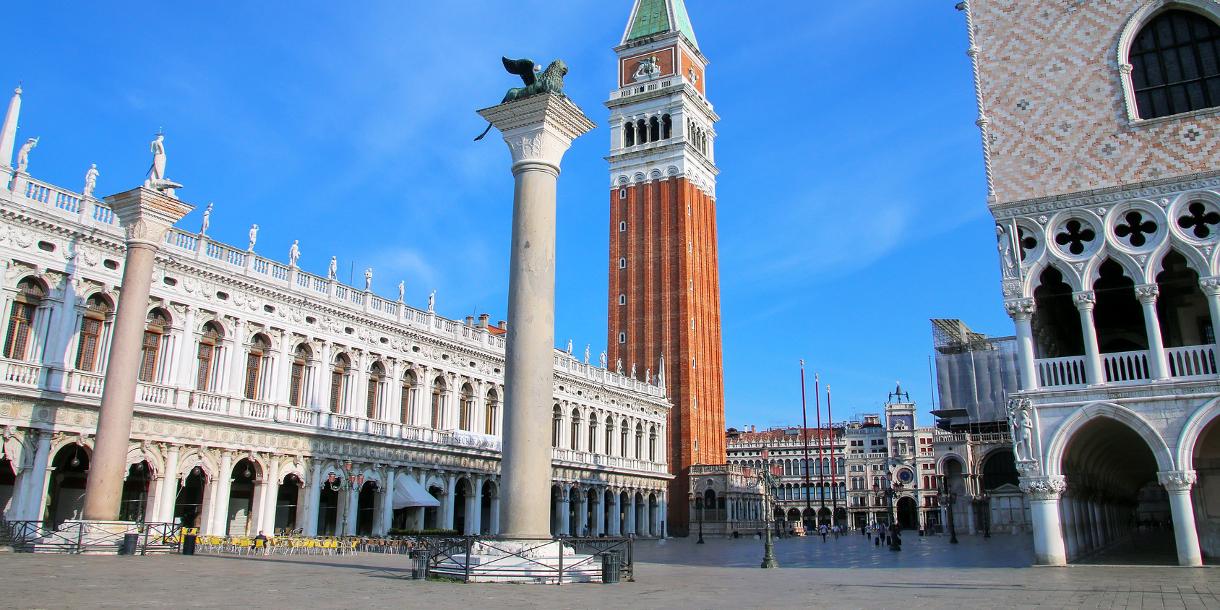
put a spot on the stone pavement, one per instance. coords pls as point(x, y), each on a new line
point(928, 573)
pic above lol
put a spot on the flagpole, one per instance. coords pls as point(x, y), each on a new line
point(805, 438)
point(817, 401)
point(834, 486)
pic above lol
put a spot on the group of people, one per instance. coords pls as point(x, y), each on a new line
point(890, 534)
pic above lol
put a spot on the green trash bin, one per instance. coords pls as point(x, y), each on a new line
point(419, 564)
point(188, 544)
point(611, 567)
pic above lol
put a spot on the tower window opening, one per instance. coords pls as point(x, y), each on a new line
point(622, 299)
point(641, 129)
point(622, 263)
point(622, 337)
point(667, 127)
point(654, 129)
point(622, 226)
point(628, 134)
point(622, 193)
point(1175, 61)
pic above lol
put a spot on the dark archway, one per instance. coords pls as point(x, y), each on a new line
point(461, 494)
point(67, 491)
point(485, 503)
point(999, 468)
point(824, 515)
point(134, 502)
point(286, 503)
point(908, 513)
point(1056, 322)
point(1118, 317)
point(366, 502)
point(328, 508)
point(8, 479)
point(241, 498)
point(188, 507)
point(1206, 492)
point(1113, 496)
point(432, 514)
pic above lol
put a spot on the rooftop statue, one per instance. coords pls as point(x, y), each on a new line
point(23, 154)
point(537, 81)
point(156, 173)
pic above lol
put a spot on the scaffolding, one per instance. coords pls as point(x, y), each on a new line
point(974, 373)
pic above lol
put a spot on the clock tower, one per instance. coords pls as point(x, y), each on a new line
point(664, 288)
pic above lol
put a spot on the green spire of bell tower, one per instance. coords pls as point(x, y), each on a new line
point(652, 17)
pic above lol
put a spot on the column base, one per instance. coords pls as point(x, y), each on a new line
point(521, 561)
point(85, 537)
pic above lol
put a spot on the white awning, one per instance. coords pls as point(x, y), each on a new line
point(408, 492)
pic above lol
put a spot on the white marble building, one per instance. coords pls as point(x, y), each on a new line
point(1099, 137)
point(271, 398)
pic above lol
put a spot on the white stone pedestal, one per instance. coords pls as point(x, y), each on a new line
point(514, 561)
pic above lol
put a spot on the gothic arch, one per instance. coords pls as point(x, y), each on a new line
point(205, 460)
point(1033, 277)
point(1135, 23)
point(137, 452)
point(940, 464)
point(1194, 259)
point(1131, 268)
point(1194, 426)
point(1056, 449)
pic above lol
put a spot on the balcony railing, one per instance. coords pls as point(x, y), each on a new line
point(24, 374)
point(1120, 368)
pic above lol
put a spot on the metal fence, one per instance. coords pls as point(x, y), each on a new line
point(450, 556)
point(76, 537)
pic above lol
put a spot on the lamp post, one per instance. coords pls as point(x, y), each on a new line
point(769, 482)
point(947, 498)
point(348, 483)
point(984, 509)
point(700, 504)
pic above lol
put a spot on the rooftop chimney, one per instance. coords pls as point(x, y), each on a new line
point(483, 318)
point(469, 320)
point(502, 325)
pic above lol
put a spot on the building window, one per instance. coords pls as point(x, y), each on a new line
point(574, 441)
point(155, 336)
point(1175, 64)
point(622, 299)
point(592, 448)
point(652, 444)
point(438, 403)
point(372, 403)
point(639, 441)
point(92, 330)
point(406, 402)
point(622, 193)
point(622, 226)
point(493, 406)
point(338, 382)
point(667, 127)
point(622, 337)
point(556, 426)
point(609, 436)
point(299, 375)
point(628, 134)
point(207, 369)
point(622, 263)
point(466, 411)
point(30, 294)
point(256, 360)
point(623, 432)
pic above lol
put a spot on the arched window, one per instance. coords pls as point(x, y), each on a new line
point(466, 410)
point(438, 403)
point(641, 132)
point(406, 402)
point(93, 324)
point(338, 383)
point(639, 441)
point(592, 448)
point(628, 134)
point(574, 440)
point(156, 333)
point(492, 413)
point(257, 361)
point(299, 381)
point(207, 360)
point(609, 435)
point(1175, 64)
point(623, 433)
point(556, 425)
point(667, 127)
point(30, 294)
point(372, 403)
point(654, 129)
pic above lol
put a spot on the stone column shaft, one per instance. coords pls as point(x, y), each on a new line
point(1182, 510)
point(538, 131)
point(1021, 311)
point(145, 215)
point(1158, 364)
point(1094, 372)
point(1044, 494)
point(169, 496)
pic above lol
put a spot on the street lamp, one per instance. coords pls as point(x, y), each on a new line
point(699, 503)
point(346, 483)
point(984, 501)
point(947, 498)
point(769, 482)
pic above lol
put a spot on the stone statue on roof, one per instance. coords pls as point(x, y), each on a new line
point(23, 154)
point(207, 220)
point(402, 290)
point(90, 181)
point(333, 270)
point(253, 234)
point(294, 253)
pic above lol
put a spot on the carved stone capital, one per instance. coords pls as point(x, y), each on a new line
point(1044, 488)
point(146, 215)
point(1210, 285)
point(1084, 299)
point(1177, 480)
point(1147, 293)
point(1019, 308)
point(538, 129)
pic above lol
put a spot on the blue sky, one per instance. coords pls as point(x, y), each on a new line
point(851, 199)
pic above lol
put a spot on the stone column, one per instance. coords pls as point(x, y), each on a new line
point(630, 515)
point(145, 215)
point(312, 491)
point(1182, 510)
point(538, 131)
point(447, 502)
point(220, 505)
point(495, 512)
point(1158, 365)
point(1211, 288)
point(616, 523)
point(169, 493)
point(351, 511)
point(1044, 494)
point(599, 513)
point(1021, 311)
point(270, 498)
point(474, 516)
point(33, 480)
point(564, 509)
point(387, 507)
point(1085, 301)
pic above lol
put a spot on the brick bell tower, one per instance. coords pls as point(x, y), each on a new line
point(664, 296)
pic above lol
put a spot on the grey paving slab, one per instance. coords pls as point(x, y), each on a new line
point(674, 574)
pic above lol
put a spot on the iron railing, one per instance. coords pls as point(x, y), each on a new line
point(74, 537)
point(449, 556)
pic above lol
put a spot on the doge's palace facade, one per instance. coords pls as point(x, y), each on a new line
point(271, 399)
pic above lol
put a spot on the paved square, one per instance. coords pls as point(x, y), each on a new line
point(719, 574)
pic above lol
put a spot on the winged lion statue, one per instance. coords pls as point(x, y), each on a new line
point(537, 81)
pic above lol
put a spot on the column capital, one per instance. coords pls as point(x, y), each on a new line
point(1019, 309)
point(1044, 488)
point(1084, 299)
point(146, 215)
point(1147, 293)
point(1210, 285)
point(1177, 480)
point(539, 128)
